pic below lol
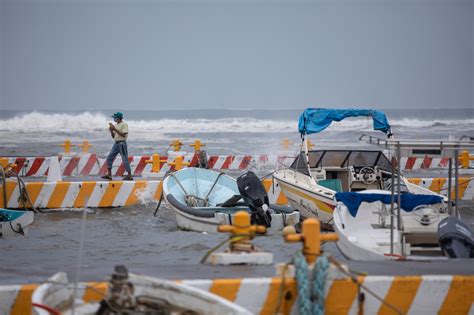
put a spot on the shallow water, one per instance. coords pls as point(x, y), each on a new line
point(153, 245)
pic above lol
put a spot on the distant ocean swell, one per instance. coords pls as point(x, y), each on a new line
point(91, 122)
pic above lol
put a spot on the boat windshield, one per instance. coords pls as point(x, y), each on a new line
point(340, 158)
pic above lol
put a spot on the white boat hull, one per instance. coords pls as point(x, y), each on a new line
point(58, 294)
point(17, 226)
point(189, 222)
point(362, 237)
point(310, 202)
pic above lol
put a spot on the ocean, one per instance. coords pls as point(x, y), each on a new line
point(223, 131)
point(153, 245)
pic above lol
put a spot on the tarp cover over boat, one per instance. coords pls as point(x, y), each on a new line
point(314, 120)
point(352, 200)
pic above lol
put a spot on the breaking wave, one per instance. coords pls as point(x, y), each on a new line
point(94, 122)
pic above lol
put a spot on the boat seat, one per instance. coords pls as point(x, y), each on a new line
point(333, 184)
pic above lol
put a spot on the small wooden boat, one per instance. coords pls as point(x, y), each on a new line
point(203, 199)
point(13, 222)
point(128, 294)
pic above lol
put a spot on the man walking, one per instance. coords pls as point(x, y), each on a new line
point(119, 133)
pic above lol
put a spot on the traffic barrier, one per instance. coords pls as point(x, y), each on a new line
point(52, 195)
point(440, 186)
point(89, 164)
point(98, 194)
point(427, 294)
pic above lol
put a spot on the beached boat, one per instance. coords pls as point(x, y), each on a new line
point(129, 294)
point(396, 224)
point(203, 199)
point(312, 181)
point(13, 222)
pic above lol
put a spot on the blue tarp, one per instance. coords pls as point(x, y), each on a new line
point(408, 202)
point(314, 120)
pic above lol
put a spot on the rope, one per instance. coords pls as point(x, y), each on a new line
point(304, 301)
point(20, 229)
point(232, 239)
point(319, 285)
point(24, 195)
point(4, 186)
point(195, 201)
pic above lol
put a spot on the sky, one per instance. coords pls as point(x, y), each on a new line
point(145, 55)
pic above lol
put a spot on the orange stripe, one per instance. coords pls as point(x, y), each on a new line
point(288, 298)
point(159, 189)
point(226, 288)
point(460, 296)
point(132, 199)
point(85, 193)
point(10, 188)
point(415, 181)
point(401, 294)
point(34, 190)
point(341, 295)
point(58, 195)
point(463, 183)
point(110, 194)
point(282, 199)
point(22, 304)
point(437, 184)
point(95, 292)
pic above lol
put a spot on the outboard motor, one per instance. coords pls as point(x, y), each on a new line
point(256, 198)
point(455, 238)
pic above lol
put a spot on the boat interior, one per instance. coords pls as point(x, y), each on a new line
point(347, 170)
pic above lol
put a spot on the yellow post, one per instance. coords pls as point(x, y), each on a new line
point(242, 229)
point(286, 143)
point(67, 146)
point(311, 238)
point(178, 163)
point(4, 162)
point(309, 144)
point(465, 158)
point(85, 146)
point(197, 145)
point(176, 144)
point(155, 163)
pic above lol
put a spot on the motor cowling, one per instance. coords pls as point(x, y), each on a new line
point(455, 238)
point(255, 196)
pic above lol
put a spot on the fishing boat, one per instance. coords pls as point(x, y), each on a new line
point(13, 222)
point(313, 179)
point(397, 224)
point(202, 199)
point(128, 294)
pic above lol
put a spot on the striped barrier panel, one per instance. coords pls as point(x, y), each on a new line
point(440, 186)
point(98, 194)
point(52, 195)
point(88, 164)
point(407, 294)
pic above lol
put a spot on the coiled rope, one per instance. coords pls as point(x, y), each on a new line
point(311, 296)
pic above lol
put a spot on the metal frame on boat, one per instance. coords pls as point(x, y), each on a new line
point(411, 236)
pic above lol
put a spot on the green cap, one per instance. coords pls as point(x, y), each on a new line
point(118, 115)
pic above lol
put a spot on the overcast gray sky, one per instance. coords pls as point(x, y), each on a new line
point(104, 54)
